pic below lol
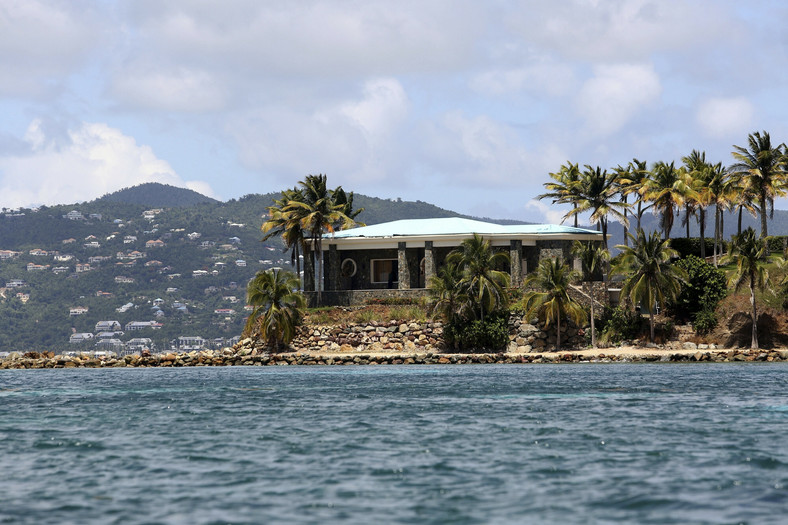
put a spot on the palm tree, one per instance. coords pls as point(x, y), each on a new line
point(651, 278)
point(637, 175)
point(550, 300)
point(622, 184)
point(448, 296)
point(721, 193)
point(283, 221)
point(276, 306)
point(565, 188)
point(763, 167)
point(591, 257)
point(667, 188)
point(485, 284)
point(700, 172)
point(748, 252)
point(597, 193)
point(318, 213)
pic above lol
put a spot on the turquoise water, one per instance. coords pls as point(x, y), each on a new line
point(633, 443)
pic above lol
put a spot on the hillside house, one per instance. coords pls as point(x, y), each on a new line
point(33, 267)
point(122, 279)
point(81, 268)
point(142, 325)
point(154, 244)
point(129, 239)
point(37, 252)
point(15, 283)
point(190, 343)
point(80, 337)
point(107, 326)
point(74, 215)
point(61, 269)
point(8, 254)
point(77, 310)
point(398, 258)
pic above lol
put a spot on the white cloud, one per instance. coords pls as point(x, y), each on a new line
point(41, 42)
point(549, 78)
point(548, 213)
point(174, 89)
point(91, 160)
point(725, 117)
point(618, 30)
point(615, 94)
point(353, 140)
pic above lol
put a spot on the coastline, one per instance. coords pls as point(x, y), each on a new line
point(245, 356)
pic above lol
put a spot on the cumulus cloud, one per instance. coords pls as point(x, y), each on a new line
point(91, 160)
point(354, 140)
point(260, 48)
point(618, 30)
point(544, 212)
point(615, 94)
point(550, 78)
point(172, 89)
point(41, 42)
point(725, 117)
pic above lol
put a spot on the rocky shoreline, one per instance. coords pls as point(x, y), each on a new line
point(401, 343)
point(245, 356)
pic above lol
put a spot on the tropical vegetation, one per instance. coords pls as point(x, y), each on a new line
point(277, 307)
point(548, 297)
point(651, 280)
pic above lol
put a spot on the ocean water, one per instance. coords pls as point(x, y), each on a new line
point(625, 443)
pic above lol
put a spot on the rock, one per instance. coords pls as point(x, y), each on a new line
point(403, 328)
point(689, 346)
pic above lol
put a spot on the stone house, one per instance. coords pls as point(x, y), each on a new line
point(398, 258)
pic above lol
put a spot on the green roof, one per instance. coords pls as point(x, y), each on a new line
point(452, 226)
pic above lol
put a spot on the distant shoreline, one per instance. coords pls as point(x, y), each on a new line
point(251, 357)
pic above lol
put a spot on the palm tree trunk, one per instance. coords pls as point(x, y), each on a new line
point(593, 331)
point(754, 343)
point(575, 207)
point(687, 220)
point(651, 321)
point(640, 212)
point(764, 232)
point(558, 334)
point(626, 232)
point(741, 210)
point(702, 222)
point(716, 230)
point(722, 231)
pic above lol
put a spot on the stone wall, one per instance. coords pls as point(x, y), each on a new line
point(362, 297)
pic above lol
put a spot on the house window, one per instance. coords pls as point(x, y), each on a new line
point(385, 271)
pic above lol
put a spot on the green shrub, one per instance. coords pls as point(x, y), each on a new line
point(706, 286)
point(619, 323)
point(704, 322)
point(492, 334)
point(776, 243)
point(691, 246)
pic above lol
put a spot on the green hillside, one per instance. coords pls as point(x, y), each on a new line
point(154, 194)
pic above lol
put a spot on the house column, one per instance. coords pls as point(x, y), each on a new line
point(429, 262)
point(332, 268)
point(515, 262)
point(309, 270)
point(403, 267)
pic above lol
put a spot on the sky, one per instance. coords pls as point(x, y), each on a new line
point(468, 105)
